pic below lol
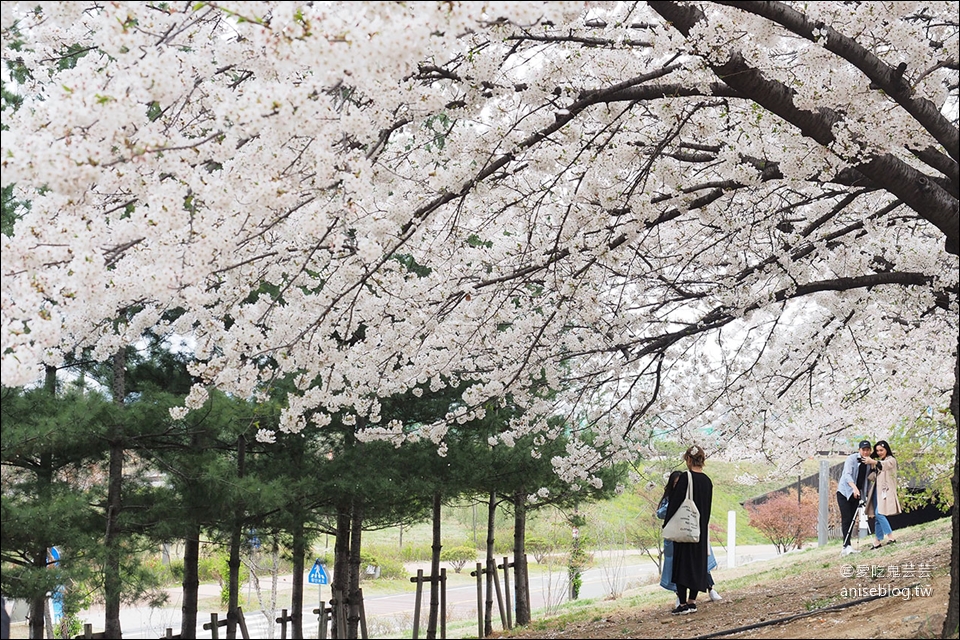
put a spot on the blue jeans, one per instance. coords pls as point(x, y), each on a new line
point(882, 527)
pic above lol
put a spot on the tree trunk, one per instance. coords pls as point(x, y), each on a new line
point(521, 592)
point(353, 595)
point(191, 583)
point(233, 586)
point(435, 570)
point(274, 580)
point(952, 622)
point(491, 566)
point(296, 597)
point(112, 581)
point(191, 571)
point(341, 565)
point(38, 605)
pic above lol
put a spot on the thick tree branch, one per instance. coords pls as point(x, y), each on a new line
point(882, 75)
point(721, 316)
point(920, 192)
point(586, 41)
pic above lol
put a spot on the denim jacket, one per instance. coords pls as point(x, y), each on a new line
point(662, 509)
point(850, 467)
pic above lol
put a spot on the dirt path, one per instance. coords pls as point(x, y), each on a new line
point(899, 591)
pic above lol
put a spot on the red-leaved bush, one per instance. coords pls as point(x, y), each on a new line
point(786, 521)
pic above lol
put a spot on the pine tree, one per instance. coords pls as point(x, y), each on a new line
point(52, 447)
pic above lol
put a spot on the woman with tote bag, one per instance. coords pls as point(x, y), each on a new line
point(690, 558)
point(666, 575)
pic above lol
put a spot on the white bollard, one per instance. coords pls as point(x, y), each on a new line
point(731, 539)
point(823, 512)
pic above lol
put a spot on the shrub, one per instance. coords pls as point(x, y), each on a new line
point(208, 569)
point(415, 553)
point(390, 568)
point(160, 573)
point(784, 521)
point(458, 556)
point(539, 547)
point(176, 570)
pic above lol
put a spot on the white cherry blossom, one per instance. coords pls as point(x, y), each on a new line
point(573, 205)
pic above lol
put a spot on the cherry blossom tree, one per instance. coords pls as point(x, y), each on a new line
point(739, 215)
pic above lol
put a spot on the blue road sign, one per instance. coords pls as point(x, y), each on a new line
point(56, 605)
point(317, 575)
point(253, 540)
point(56, 599)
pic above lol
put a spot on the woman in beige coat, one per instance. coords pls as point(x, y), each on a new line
point(885, 501)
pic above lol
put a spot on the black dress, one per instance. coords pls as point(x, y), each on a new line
point(690, 558)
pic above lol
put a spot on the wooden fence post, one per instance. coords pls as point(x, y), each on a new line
point(242, 623)
point(341, 610)
point(214, 627)
point(443, 603)
point(283, 620)
point(322, 620)
point(479, 574)
point(363, 616)
point(418, 600)
point(416, 604)
point(496, 584)
point(506, 589)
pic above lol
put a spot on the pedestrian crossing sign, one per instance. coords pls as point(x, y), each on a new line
point(318, 574)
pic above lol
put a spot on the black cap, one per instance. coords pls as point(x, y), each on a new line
point(865, 444)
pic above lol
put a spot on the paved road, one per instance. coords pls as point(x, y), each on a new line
point(387, 614)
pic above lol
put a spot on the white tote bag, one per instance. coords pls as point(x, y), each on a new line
point(684, 526)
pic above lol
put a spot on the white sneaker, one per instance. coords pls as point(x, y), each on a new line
point(714, 596)
point(847, 550)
